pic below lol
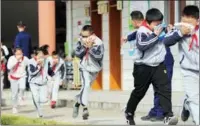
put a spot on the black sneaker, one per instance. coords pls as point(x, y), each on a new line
point(185, 114)
point(146, 118)
point(85, 114)
point(129, 119)
point(157, 119)
point(170, 120)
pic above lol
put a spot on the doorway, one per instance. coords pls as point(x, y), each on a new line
point(96, 22)
point(114, 48)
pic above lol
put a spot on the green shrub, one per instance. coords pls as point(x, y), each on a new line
point(21, 120)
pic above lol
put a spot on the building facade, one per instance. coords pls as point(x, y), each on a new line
point(117, 68)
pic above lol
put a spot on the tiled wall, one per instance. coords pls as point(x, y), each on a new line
point(127, 63)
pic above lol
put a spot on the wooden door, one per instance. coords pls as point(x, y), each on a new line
point(114, 45)
point(96, 22)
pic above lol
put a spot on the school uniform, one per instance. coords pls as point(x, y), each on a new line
point(149, 69)
point(157, 110)
point(57, 74)
point(90, 65)
point(17, 74)
point(38, 83)
point(188, 46)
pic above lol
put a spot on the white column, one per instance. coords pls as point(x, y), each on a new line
point(177, 14)
point(69, 34)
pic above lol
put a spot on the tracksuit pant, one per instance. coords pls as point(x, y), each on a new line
point(17, 88)
point(191, 88)
point(157, 110)
point(87, 78)
point(53, 87)
point(143, 77)
point(39, 95)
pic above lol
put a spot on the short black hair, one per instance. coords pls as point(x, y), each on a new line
point(137, 15)
point(87, 28)
point(191, 11)
point(55, 53)
point(153, 14)
point(21, 24)
point(18, 48)
point(37, 51)
point(44, 49)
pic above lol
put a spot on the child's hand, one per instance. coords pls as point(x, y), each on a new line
point(90, 44)
point(123, 40)
point(158, 31)
point(169, 27)
point(185, 30)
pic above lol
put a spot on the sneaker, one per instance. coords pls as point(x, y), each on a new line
point(14, 111)
point(40, 116)
point(155, 119)
point(129, 119)
point(171, 120)
point(53, 104)
point(146, 118)
point(85, 114)
point(75, 111)
point(185, 114)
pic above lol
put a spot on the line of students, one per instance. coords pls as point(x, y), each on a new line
point(45, 75)
point(151, 62)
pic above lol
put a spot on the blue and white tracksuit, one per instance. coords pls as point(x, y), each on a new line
point(56, 75)
point(189, 62)
point(90, 65)
point(169, 62)
point(38, 83)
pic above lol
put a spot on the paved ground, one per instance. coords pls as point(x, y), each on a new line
point(97, 117)
point(105, 107)
point(104, 100)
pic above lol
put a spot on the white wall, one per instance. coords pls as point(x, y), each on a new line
point(127, 63)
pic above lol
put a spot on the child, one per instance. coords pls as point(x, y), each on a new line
point(17, 76)
point(57, 72)
point(149, 68)
point(3, 69)
point(137, 19)
point(90, 50)
point(38, 80)
point(188, 42)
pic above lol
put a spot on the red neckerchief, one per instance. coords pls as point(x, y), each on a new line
point(144, 23)
point(17, 65)
point(3, 67)
point(87, 54)
point(194, 38)
point(41, 69)
point(54, 67)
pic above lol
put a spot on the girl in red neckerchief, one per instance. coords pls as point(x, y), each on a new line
point(17, 76)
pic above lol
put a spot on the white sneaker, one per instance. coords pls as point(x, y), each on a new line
point(14, 111)
point(171, 120)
